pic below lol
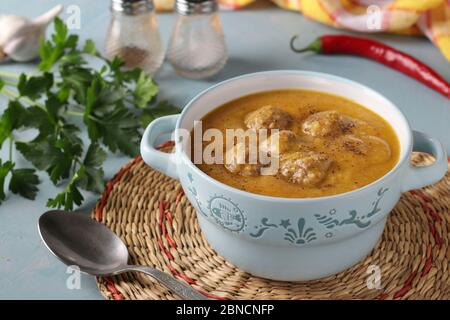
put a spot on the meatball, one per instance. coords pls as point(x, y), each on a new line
point(362, 146)
point(305, 168)
point(237, 160)
point(268, 117)
point(281, 142)
point(327, 123)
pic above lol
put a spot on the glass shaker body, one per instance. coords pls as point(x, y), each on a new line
point(136, 39)
point(197, 46)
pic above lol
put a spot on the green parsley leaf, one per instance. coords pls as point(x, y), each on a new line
point(53, 107)
point(93, 178)
point(95, 156)
point(145, 91)
point(64, 93)
point(118, 130)
point(54, 155)
point(5, 168)
point(51, 51)
point(70, 195)
point(78, 79)
point(39, 152)
point(14, 117)
point(72, 58)
point(61, 31)
point(89, 47)
point(40, 119)
point(70, 133)
point(35, 86)
point(24, 182)
point(115, 64)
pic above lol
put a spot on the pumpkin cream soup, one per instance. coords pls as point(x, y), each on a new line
point(326, 144)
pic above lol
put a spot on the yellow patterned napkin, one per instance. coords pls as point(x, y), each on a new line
point(429, 17)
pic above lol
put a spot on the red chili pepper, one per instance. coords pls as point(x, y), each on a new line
point(398, 60)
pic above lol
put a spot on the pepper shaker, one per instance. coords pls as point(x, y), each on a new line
point(134, 36)
point(197, 46)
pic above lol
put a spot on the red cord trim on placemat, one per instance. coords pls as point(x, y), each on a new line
point(116, 295)
point(164, 212)
point(110, 185)
point(424, 201)
point(406, 287)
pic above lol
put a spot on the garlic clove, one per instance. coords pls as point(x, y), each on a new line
point(20, 49)
point(46, 18)
point(10, 26)
point(20, 37)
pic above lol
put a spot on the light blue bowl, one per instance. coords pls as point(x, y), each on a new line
point(284, 238)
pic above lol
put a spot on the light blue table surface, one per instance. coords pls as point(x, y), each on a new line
point(257, 40)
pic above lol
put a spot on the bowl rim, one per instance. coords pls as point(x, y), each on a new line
point(403, 157)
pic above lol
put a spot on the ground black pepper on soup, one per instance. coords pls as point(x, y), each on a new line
point(326, 145)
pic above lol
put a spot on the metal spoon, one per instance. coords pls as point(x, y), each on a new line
point(78, 240)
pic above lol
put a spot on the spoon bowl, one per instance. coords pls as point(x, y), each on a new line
point(78, 240)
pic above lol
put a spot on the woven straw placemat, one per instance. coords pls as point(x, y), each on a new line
point(151, 214)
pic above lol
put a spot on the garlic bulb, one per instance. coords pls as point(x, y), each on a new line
point(20, 37)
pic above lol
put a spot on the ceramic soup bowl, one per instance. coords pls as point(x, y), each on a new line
point(284, 238)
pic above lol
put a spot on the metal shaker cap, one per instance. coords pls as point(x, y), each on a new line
point(132, 7)
point(191, 7)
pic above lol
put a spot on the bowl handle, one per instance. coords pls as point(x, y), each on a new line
point(158, 160)
point(419, 177)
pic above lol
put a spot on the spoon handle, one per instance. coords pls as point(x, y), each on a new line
point(183, 290)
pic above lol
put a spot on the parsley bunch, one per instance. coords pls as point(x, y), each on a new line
point(112, 104)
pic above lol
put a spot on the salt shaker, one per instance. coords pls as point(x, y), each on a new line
point(197, 46)
point(133, 35)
